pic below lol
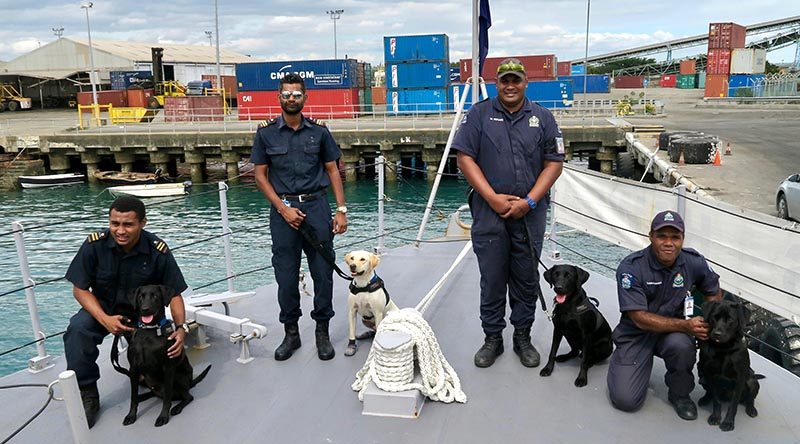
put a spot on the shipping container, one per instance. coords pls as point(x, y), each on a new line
point(427, 100)
point(748, 61)
point(719, 61)
point(228, 83)
point(686, 81)
point(688, 66)
point(115, 98)
point(317, 74)
point(701, 79)
point(745, 85)
point(455, 74)
point(379, 95)
point(124, 79)
point(549, 94)
point(726, 36)
point(193, 109)
point(577, 70)
point(716, 85)
point(416, 48)
point(629, 82)
point(321, 104)
point(138, 97)
point(536, 67)
point(668, 81)
point(418, 75)
point(595, 83)
point(563, 69)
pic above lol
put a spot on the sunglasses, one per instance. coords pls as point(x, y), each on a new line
point(510, 67)
point(285, 95)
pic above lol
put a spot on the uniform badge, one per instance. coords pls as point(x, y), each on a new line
point(709, 267)
point(669, 217)
point(533, 122)
point(560, 145)
point(678, 282)
point(626, 281)
point(464, 119)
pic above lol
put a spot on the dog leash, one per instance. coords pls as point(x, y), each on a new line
point(308, 233)
point(115, 358)
point(535, 254)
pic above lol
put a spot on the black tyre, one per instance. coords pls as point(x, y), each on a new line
point(665, 137)
point(625, 165)
point(152, 103)
point(13, 105)
point(783, 208)
point(696, 150)
point(2, 106)
point(782, 344)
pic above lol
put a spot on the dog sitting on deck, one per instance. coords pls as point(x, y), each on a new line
point(368, 297)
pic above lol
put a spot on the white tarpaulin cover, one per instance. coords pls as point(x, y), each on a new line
point(757, 256)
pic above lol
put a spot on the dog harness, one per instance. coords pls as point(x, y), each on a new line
point(165, 327)
point(375, 284)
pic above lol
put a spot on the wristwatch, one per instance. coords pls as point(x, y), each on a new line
point(531, 202)
point(341, 209)
point(185, 327)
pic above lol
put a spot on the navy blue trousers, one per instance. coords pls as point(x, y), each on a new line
point(84, 334)
point(287, 246)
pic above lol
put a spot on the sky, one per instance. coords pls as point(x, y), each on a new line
point(301, 29)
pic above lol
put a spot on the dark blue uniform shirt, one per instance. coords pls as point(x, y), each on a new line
point(111, 274)
point(643, 283)
point(295, 158)
point(510, 149)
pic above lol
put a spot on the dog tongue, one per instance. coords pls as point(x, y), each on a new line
point(147, 319)
point(561, 298)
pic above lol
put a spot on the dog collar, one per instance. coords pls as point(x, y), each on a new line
point(375, 284)
point(165, 327)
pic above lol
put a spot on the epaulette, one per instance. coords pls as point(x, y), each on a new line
point(266, 123)
point(161, 246)
point(317, 122)
point(96, 236)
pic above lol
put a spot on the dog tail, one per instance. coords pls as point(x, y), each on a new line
point(200, 376)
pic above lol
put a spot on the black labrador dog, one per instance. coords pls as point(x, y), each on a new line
point(169, 379)
point(724, 367)
point(577, 319)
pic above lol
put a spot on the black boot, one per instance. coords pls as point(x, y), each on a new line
point(492, 348)
point(523, 347)
point(324, 348)
point(291, 342)
point(91, 403)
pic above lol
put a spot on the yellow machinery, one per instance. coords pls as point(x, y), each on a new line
point(115, 115)
point(11, 99)
point(170, 88)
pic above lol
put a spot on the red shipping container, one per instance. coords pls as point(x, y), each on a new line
point(138, 97)
point(379, 95)
point(228, 82)
point(726, 36)
point(321, 104)
point(669, 81)
point(116, 98)
point(629, 82)
point(719, 61)
point(688, 66)
point(193, 109)
point(716, 85)
point(536, 66)
point(564, 69)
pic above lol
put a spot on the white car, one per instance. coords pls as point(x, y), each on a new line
point(787, 201)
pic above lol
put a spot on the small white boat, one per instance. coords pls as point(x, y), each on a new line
point(152, 190)
point(51, 180)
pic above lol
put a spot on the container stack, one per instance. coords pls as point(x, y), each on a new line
point(687, 79)
point(331, 86)
point(228, 84)
point(747, 72)
point(417, 73)
point(723, 39)
point(364, 81)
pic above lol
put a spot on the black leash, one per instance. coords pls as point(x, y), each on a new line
point(535, 254)
point(311, 237)
point(115, 358)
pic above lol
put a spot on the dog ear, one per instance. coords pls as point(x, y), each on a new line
point(133, 298)
point(374, 260)
point(548, 275)
point(583, 275)
point(166, 294)
point(744, 315)
point(709, 307)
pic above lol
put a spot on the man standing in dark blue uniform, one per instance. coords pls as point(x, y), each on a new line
point(109, 266)
point(511, 152)
point(654, 287)
point(295, 160)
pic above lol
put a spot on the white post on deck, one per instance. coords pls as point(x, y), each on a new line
point(380, 164)
point(72, 401)
point(681, 200)
point(556, 255)
point(42, 359)
point(226, 240)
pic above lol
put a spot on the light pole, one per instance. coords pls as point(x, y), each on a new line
point(209, 34)
point(58, 32)
point(216, 33)
point(335, 14)
point(88, 6)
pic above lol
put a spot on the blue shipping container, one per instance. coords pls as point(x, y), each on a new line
point(745, 85)
point(124, 79)
point(416, 48)
point(549, 94)
point(432, 100)
point(595, 83)
point(455, 74)
point(417, 75)
point(577, 69)
point(318, 74)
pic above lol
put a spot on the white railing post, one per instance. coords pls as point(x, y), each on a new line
point(42, 359)
point(380, 164)
point(556, 255)
point(72, 401)
point(681, 200)
point(226, 240)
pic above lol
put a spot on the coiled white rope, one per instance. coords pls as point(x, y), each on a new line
point(392, 370)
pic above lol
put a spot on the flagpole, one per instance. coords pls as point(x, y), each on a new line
point(476, 69)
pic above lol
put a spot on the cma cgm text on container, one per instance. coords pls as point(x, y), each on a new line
point(317, 74)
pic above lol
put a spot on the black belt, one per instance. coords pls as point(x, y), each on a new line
point(304, 197)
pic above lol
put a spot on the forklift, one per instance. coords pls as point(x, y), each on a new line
point(11, 99)
point(170, 88)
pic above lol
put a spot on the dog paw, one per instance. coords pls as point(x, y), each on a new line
point(129, 419)
point(369, 334)
point(751, 411)
point(161, 420)
point(350, 350)
point(581, 381)
point(546, 371)
point(565, 357)
point(726, 426)
point(713, 420)
point(176, 410)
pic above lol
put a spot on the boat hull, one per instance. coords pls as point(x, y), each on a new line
point(151, 190)
point(50, 180)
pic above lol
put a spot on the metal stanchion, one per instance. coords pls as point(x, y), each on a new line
point(72, 400)
point(226, 240)
point(380, 164)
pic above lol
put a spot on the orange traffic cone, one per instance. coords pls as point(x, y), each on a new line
point(717, 159)
point(681, 161)
point(728, 151)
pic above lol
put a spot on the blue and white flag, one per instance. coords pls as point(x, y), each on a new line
point(484, 23)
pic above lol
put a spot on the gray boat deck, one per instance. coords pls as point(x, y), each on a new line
point(305, 400)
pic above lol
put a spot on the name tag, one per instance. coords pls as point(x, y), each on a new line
point(688, 305)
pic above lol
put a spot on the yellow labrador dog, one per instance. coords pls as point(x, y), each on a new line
point(367, 296)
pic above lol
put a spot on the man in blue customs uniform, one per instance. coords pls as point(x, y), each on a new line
point(109, 266)
point(295, 161)
point(511, 152)
point(654, 287)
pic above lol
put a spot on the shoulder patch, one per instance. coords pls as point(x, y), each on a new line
point(96, 236)
point(161, 246)
point(626, 280)
point(266, 123)
point(317, 122)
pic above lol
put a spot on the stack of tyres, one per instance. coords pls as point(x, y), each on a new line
point(697, 150)
point(666, 137)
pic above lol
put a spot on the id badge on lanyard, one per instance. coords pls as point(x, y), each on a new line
point(688, 305)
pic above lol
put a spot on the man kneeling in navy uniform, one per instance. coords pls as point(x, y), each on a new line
point(654, 287)
point(109, 266)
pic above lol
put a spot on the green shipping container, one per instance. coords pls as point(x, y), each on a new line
point(687, 81)
point(701, 80)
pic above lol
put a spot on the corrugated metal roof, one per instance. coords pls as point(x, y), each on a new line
point(140, 52)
